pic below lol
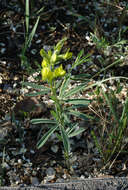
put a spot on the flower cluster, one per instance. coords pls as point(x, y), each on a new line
point(50, 59)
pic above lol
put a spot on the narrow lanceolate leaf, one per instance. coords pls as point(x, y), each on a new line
point(76, 132)
point(38, 93)
point(81, 77)
point(80, 115)
point(54, 114)
point(70, 129)
point(33, 32)
point(78, 101)
point(97, 144)
point(27, 15)
point(65, 140)
point(74, 91)
point(64, 87)
point(46, 136)
point(82, 60)
point(79, 56)
point(35, 86)
point(48, 121)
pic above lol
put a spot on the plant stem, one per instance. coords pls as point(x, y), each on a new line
point(60, 118)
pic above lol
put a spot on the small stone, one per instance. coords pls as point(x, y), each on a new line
point(3, 50)
point(64, 176)
point(19, 161)
point(0, 80)
point(46, 47)
point(50, 172)
point(55, 148)
point(38, 41)
point(2, 44)
point(32, 151)
point(34, 181)
point(34, 172)
point(82, 177)
point(33, 51)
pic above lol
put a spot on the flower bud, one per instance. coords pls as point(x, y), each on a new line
point(44, 63)
point(59, 72)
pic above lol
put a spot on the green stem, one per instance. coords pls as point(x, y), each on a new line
point(59, 112)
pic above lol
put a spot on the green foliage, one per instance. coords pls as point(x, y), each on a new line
point(2, 169)
point(61, 123)
point(100, 43)
point(28, 37)
point(112, 138)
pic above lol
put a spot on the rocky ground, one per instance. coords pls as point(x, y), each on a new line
point(21, 161)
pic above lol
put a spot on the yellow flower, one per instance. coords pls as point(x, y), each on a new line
point(59, 72)
point(47, 74)
point(44, 63)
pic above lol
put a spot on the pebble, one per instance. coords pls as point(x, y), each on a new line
point(3, 50)
point(55, 148)
point(2, 44)
point(50, 172)
point(33, 51)
point(34, 181)
point(38, 41)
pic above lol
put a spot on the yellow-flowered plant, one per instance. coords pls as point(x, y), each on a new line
point(50, 59)
point(61, 124)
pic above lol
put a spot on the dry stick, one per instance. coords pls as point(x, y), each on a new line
point(94, 111)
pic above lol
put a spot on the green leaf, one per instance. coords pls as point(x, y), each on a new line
point(54, 114)
point(35, 86)
point(27, 15)
point(64, 87)
point(59, 137)
point(58, 84)
point(33, 32)
point(66, 118)
point(73, 107)
point(74, 90)
point(38, 93)
point(80, 115)
point(79, 55)
point(44, 55)
point(99, 147)
point(78, 101)
point(39, 11)
point(37, 121)
point(125, 110)
point(81, 61)
point(59, 45)
point(109, 102)
point(71, 128)
point(76, 132)
point(65, 140)
point(81, 77)
point(46, 136)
